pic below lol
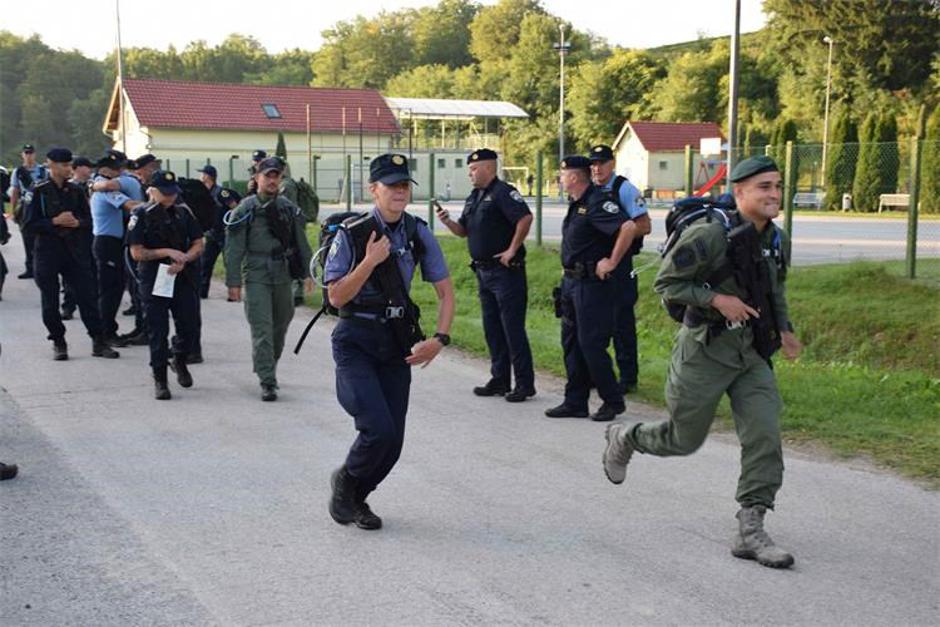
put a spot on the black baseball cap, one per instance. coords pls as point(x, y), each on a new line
point(210, 170)
point(28, 148)
point(601, 152)
point(59, 155)
point(751, 167)
point(258, 155)
point(111, 159)
point(165, 181)
point(389, 169)
point(78, 162)
point(575, 162)
point(144, 160)
point(483, 154)
point(267, 164)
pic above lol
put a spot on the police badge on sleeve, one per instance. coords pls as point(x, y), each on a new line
point(610, 207)
point(132, 223)
point(515, 195)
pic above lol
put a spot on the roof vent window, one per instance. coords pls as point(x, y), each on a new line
point(271, 111)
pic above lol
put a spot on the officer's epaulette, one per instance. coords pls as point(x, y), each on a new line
point(150, 206)
point(42, 183)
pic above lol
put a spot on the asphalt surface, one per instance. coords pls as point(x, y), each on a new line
point(211, 508)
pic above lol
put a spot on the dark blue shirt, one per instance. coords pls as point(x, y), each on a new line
point(154, 226)
point(590, 228)
point(490, 216)
point(340, 262)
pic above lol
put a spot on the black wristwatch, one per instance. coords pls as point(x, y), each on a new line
point(443, 338)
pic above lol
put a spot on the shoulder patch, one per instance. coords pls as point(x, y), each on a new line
point(610, 207)
point(515, 195)
point(684, 257)
point(582, 210)
point(132, 222)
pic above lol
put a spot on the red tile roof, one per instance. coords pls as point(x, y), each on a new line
point(664, 136)
point(181, 104)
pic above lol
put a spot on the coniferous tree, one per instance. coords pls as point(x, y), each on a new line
point(864, 188)
point(930, 166)
point(841, 158)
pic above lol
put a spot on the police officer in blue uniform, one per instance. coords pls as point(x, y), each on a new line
point(215, 237)
point(22, 180)
point(256, 157)
point(368, 271)
point(628, 197)
point(495, 221)
point(595, 237)
point(166, 232)
point(59, 220)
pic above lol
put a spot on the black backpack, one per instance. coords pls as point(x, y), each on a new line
point(328, 230)
point(683, 214)
point(637, 245)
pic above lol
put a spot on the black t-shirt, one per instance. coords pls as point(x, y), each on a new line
point(590, 228)
point(490, 216)
point(154, 226)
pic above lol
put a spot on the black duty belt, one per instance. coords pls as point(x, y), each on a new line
point(693, 318)
point(586, 270)
point(372, 312)
point(489, 264)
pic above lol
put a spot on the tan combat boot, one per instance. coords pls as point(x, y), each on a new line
point(753, 543)
point(617, 453)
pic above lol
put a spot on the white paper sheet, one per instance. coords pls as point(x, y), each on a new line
point(163, 284)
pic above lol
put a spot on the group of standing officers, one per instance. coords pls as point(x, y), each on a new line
point(368, 273)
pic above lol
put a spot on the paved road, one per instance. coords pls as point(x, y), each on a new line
point(211, 508)
point(817, 239)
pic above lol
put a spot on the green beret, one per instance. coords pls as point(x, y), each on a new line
point(754, 165)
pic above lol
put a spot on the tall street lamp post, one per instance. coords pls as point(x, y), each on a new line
point(562, 47)
point(827, 39)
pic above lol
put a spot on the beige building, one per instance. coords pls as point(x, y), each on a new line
point(652, 154)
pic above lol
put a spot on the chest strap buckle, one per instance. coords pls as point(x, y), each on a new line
point(394, 313)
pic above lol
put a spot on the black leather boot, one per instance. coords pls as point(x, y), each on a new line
point(100, 348)
point(343, 500)
point(178, 365)
point(161, 391)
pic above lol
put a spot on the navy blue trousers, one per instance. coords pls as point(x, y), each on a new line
point(53, 258)
point(209, 255)
point(372, 384)
point(185, 309)
point(625, 344)
point(109, 261)
point(589, 309)
point(504, 297)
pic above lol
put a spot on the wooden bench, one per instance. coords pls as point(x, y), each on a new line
point(808, 199)
point(893, 200)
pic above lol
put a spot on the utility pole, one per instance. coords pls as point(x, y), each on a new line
point(562, 47)
point(733, 90)
point(120, 69)
point(827, 39)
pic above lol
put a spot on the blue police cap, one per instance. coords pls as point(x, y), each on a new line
point(210, 170)
point(601, 152)
point(59, 155)
point(751, 167)
point(268, 164)
point(111, 159)
point(483, 154)
point(165, 181)
point(575, 162)
point(78, 162)
point(28, 148)
point(390, 169)
point(258, 155)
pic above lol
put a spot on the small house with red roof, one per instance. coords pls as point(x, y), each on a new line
point(187, 124)
point(652, 154)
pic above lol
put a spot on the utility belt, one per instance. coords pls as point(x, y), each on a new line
point(581, 271)
point(377, 313)
point(489, 264)
point(694, 319)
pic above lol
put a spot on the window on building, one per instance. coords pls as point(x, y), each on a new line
point(458, 163)
point(271, 111)
point(441, 164)
point(663, 165)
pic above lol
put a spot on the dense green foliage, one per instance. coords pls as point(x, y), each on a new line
point(930, 194)
point(842, 157)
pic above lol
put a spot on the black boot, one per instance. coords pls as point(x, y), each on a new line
point(268, 392)
point(8, 471)
point(161, 391)
point(343, 500)
point(365, 517)
point(60, 351)
point(492, 388)
point(608, 411)
point(100, 348)
point(178, 365)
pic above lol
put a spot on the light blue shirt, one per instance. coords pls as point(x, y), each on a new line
point(107, 214)
point(631, 200)
point(38, 172)
point(131, 187)
point(339, 261)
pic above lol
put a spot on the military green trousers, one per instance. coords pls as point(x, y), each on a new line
point(699, 374)
point(269, 308)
